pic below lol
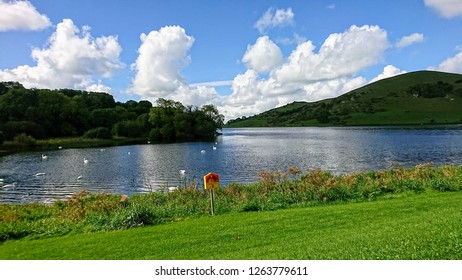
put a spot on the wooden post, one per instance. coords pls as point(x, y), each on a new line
point(212, 210)
point(211, 182)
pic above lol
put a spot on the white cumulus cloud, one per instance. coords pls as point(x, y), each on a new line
point(21, 15)
point(275, 18)
point(98, 88)
point(452, 64)
point(161, 56)
point(409, 40)
point(71, 59)
point(263, 56)
point(446, 8)
point(341, 55)
point(388, 72)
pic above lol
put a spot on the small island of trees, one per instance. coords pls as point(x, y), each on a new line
point(44, 114)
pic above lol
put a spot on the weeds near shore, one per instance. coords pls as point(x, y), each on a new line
point(86, 212)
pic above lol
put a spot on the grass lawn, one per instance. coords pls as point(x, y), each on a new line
point(424, 226)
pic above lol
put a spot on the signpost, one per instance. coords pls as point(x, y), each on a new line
point(211, 182)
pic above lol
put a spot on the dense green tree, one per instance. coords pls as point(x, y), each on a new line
point(15, 103)
point(78, 114)
point(53, 112)
point(129, 129)
point(98, 100)
point(431, 90)
point(13, 128)
point(171, 121)
point(105, 117)
point(5, 86)
point(213, 116)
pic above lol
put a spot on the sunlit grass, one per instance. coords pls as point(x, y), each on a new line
point(426, 226)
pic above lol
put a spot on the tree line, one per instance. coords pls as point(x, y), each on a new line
point(45, 113)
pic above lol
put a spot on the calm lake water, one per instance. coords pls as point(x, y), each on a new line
point(239, 156)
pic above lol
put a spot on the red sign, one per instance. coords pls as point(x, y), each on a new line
point(211, 181)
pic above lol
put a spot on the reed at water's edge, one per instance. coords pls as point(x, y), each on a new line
point(86, 212)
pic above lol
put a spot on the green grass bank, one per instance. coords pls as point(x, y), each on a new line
point(425, 226)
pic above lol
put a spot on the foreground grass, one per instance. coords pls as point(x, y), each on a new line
point(425, 226)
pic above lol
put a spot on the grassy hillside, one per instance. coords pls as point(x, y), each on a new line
point(423, 97)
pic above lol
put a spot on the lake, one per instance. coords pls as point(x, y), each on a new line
point(239, 155)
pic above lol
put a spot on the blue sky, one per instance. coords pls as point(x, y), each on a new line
point(245, 57)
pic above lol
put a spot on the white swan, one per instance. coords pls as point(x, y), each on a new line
point(202, 151)
point(85, 160)
point(214, 147)
point(13, 185)
point(172, 189)
point(44, 156)
point(182, 172)
point(40, 174)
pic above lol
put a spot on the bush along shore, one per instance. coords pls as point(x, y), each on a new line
point(85, 212)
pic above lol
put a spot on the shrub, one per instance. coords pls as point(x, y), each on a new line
point(13, 128)
point(443, 185)
point(134, 216)
point(251, 206)
point(98, 133)
point(25, 140)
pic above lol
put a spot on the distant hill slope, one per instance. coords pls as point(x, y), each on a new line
point(423, 97)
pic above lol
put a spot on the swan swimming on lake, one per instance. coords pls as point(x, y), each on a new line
point(40, 174)
point(85, 160)
point(13, 185)
point(214, 147)
point(202, 151)
point(44, 156)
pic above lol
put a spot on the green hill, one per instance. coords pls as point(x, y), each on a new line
point(423, 97)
